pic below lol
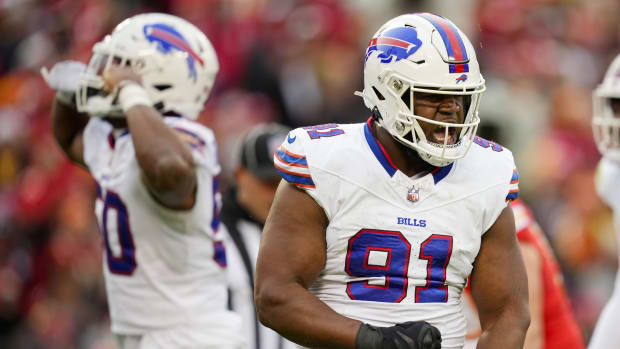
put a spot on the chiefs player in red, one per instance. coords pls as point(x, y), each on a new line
point(552, 322)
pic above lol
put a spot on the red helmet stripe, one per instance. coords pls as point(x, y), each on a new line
point(176, 42)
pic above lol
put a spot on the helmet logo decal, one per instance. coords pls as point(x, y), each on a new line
point(461, 78)
point(167, 39)
point(457, 54)
point(399, 42)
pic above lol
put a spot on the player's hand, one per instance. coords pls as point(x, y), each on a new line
point(64, 76)
point(406, 335)
point(115, 74)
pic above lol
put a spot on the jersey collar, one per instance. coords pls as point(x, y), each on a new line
point(382, 156)
point(114, 135)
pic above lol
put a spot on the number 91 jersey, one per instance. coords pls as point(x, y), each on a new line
point(164, 269)
point(398, 248)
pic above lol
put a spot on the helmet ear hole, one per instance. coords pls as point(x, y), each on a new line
point(162, 87)
point(379, 95)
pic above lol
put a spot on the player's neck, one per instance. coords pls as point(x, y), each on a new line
point(117, 123)
point(406, 159)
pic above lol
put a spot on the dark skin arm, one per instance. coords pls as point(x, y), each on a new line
point(499, 286)
point(166, 162)
point(67, 128)
point(292, 254)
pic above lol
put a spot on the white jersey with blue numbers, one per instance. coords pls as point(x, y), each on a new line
point(164, 269)
point(606, 334)
point(398, 248)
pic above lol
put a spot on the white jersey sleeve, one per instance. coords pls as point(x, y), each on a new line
point(494, 167)
point(98, 136)
point(199, 139)
point(296, 161)
point(608, 182)
point(96, 142)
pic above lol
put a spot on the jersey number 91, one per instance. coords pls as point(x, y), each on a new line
point(385, 255)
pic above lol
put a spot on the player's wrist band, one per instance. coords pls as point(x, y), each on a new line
point(131, 94)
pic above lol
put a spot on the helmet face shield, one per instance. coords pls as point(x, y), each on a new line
point(606, 125)
point(408, 128)
point(91, 98)
point(606, 112)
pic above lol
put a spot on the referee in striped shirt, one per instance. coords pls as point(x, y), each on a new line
point(244, 211)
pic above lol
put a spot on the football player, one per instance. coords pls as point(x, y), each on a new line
point(377, 226)
point(552, 322)
point(606, 125)
point(128, 118)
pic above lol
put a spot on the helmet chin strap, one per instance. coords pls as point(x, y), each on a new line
point(433, 161)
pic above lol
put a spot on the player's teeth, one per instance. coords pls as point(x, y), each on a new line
point(440, 134)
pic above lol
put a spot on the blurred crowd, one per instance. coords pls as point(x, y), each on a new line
point(296, 62)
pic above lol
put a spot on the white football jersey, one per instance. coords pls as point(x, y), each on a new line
point(606, 334)
point(163, 268)
point(608, 185)
point(398, 248)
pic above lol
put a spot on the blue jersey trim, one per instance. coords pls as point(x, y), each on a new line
point(289, 159)
point(512, 196)
point(296, 179)
point(441, 173)
point(374, 146)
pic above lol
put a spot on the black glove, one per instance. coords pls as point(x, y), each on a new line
point(407, 335)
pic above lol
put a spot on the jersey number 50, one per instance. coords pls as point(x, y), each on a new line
point(385, 255)
point(118, 232)
point(124, 264)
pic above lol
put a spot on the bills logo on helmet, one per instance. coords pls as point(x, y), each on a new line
point(461, 78)
point(167, 39)
point(397, 42)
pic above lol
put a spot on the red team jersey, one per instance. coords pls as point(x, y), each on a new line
point(559, 326)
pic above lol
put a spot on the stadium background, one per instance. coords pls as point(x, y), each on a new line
point(298, 62)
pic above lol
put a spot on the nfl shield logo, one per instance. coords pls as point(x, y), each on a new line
point(413, 194)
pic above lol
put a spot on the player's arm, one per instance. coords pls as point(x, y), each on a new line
point(499, 286)
point(533, 264)
point(67, 124)
point(166, 162)
point(291, 255)
point(67, 128)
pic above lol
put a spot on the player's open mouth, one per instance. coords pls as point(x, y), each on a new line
point(439, 135)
